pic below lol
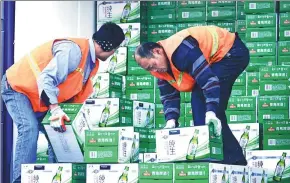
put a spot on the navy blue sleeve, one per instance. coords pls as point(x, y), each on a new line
point(189, 58)
point(170, 98)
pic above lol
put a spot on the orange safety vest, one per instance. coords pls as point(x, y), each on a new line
point(214, 43)
point(23, 75)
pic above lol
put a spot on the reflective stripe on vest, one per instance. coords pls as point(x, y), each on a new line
point(36, 70)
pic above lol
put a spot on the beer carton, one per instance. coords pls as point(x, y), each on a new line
point(261, 48)
point(276, 142)
point(190, 4)
point(145, 95)
point(284, 48)
point(276, 127)
point(181, 26)
point(211, 3)
point(132, 34)
point(253, 90)
point(259, 7)
point(201, 144)
point(284, 6)
point(150, 158)
point(284, 60)
point(261, 34)
point(241, 13)
point(111, 145)
point(111, 173)
point(265, 115)
point(284, 19)
point(115, 64)
point(238, 91)
point(261, 20)
point(273, 102)
point(79, 171)
point(275, 73)
point(105, 83)
point(257, 175)
point(135, 69)
point(140, 82)
point(241, 116)
point(221, 13)
point(42, 149)
point(253, 78)
point(161, 16)
point(46, 173)
point(275, 88)
point(153, 171)
point(275, 161)
point(201, 172)
point(241, 26)
point(241, 80)
point(239, 173)
point(191, 15)
point(247, 135)
point(143, 114)
point(118, 12)
point(284, 34)
point(257, 61)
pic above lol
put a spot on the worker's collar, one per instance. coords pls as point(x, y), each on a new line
point(92, 50)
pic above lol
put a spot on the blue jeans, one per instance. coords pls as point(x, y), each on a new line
point(28, 125)
point(227, 70)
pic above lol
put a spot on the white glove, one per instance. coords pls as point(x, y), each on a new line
point(57, 119)
point(210, 117)
point(170, 124)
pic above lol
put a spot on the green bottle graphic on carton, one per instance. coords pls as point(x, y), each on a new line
point(263, 177)
point(280, 168)
point(126, 12)
point(244, 176)
point(113, 62)
point(224, 177)
point(105, 115)
point(245, 139)
point(97, 87)
point(124, 177)
point(57, 176)
point(127, 36)
point(132, 158)
point(192, 147)
point(148, 117)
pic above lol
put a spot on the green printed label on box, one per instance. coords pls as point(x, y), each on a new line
point(284, 19)
point(265, 115)
point(241, 80)
point(238, 91)
point(242, 103)
point(241, 116)
point(135, 69)
point(256, 62)
point(230, 26)
point(253, 78)
point(211, 3)
point(284, 34)
point(259, 7)
point(275, 73)
point(261, 34)
point(275, 88)
point(221, 13)
point(261, 20)
point(273, 102)
point(283, 48)
point(241, 26)
point(276, 127)
point(163, 171)
point(146, 95)
point(191, 15)
point(161, 5)
point(156, 30)
point(140, 82)
point(191, 4)
point(79, 171)
point(101, 138)
point(253, 90)
point(276, 142)
point(261, 48)
point(161, 16)
point(181, 26)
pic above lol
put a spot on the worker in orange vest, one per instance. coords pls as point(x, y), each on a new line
point(57, 71)
point(204, 60)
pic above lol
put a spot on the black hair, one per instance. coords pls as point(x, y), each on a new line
point(145, 50)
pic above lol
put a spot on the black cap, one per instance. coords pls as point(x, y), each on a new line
point(109, 36)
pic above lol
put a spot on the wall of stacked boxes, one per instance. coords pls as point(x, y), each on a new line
point(117, 135)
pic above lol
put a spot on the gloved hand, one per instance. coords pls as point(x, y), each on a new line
point(170, 124)
point(57, 119)
point(210, 117)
